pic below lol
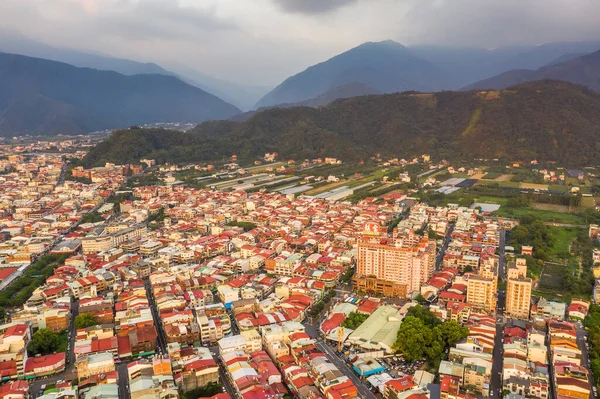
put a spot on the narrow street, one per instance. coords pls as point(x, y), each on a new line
point(161, 338)
point(442, 252)
point(496, 379)
point(70, 372)
point(343, 367)
point(313, 332)
point(223, 375)
point(585, 355)
point(501, 255)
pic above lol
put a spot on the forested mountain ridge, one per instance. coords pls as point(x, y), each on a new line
point(544, 120)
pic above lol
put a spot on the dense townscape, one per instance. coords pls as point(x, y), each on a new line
point(241, 288)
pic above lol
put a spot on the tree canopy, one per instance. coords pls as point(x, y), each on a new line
point(354, 320)
point(85, 320)
point(43, 342)
point(423, 336)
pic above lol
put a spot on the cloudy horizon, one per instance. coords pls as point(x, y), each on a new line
point(261, 42)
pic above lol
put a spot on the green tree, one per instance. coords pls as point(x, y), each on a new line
point(354, 320)
point(43, 342)
point(85, 320)
point(413, 338)
point(452, 332)
point(92, 217)
point(424, 314)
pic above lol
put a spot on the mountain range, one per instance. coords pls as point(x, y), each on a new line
point(391, 67)
point(241, 95)
point(371, 68)
point(583, 70)
point(39, 96)
point(544, 120)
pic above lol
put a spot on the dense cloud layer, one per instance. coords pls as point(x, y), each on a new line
point(264, 41)
point(313, 6)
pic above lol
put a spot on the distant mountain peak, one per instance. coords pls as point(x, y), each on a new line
point(584, 71)
point(385, 66)
point(47, 97)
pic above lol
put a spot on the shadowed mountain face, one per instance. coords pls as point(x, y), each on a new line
point(47, 97)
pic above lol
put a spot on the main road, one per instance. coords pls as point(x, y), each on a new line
point(496, 384)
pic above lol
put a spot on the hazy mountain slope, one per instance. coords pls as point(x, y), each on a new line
point(583, 70)
point(545, 120)
point(463, 66)
point(243, 96)
point(385, 66)
point(46, 97)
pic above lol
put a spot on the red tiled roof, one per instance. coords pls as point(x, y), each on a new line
point(50, 361)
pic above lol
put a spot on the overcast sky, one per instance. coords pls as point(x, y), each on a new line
point(264, 41)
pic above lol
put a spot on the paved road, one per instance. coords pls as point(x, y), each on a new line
point(161, 339)
point(581, 226)
point(343, 367)
point(224, 377)
point(313, 332)
point(440, 257)
point(496, 380)
point(585, 356)
point(501, 255)
point(70, 372)
point(123, 380)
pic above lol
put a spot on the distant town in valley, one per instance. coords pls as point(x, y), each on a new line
point(296, 278)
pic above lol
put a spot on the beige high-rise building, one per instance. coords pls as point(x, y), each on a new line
point(394, 266)
point(482, 287)
point(518, 290)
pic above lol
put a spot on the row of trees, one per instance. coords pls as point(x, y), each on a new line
point(318, 307)
point(17, 293)
point(423, 336)
point(347, 276)
point(592, 325)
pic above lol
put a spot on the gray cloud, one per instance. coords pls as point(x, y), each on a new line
point(312, 6)
point(159, 19)
point(265, 41)
point(502, 22)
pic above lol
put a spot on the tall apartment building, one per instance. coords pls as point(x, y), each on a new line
point(482, 287)
point(518, 290)
point(393, 266)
